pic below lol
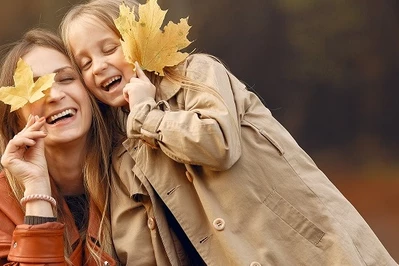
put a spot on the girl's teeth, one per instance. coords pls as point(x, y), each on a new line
point(110, 81)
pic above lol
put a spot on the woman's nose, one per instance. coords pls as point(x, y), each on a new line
point(55, 93)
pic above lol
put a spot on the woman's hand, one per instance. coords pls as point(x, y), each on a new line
point(24, 156)
point(139, 88)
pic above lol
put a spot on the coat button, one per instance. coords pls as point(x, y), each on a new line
point(219, 224)
point(151, 223)
point(255, 263)
point(189, 176)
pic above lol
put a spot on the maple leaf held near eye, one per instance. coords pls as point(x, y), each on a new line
point(25, 89)
point(144, 41)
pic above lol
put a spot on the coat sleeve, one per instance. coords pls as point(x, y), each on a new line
point(26, 244)
point(42, 243)
point(31, 244)
point(204, 129)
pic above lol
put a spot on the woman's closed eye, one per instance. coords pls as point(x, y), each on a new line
point(64, 77)
point(66, 80)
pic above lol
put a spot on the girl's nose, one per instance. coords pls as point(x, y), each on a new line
point(99, 66)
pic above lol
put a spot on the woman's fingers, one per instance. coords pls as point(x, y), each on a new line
point(34, 123)
point(28, 136)
point(31, 120)
point(24, 154)
point(39, 121)
point(24, 140)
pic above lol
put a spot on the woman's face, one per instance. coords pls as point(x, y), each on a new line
point(99, 55)
point(66, 105)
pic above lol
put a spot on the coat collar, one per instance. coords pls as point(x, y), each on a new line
point(167, 87)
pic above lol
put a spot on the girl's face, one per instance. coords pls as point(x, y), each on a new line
point(66, 105)
point(98, 54)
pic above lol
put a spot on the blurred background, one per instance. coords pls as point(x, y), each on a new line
point(328, 71)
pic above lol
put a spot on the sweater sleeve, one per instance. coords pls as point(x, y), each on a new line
point(32, 220)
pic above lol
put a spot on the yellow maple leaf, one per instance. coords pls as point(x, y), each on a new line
point(25, 90)
point(145, 42)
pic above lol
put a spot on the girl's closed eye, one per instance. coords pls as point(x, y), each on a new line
point(84, 65)
point(109, 49)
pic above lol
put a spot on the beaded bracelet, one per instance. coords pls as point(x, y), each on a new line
point(32, 197)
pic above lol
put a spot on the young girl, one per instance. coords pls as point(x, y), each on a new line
point(218, 179)
point(54, 183)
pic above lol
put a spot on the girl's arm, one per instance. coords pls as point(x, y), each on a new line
point(202, 127)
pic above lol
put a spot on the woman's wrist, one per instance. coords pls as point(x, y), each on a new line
point(39, 208)
point(34, 197)
point(37, 199)
point(38, 187)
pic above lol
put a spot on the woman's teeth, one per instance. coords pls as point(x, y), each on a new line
point(68, 113)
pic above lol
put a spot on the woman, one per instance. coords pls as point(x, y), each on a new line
point(54, 185)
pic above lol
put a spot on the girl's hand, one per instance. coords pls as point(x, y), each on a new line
point(24, 155)
point(138, 88)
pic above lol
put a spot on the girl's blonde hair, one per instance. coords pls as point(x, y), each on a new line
point(105, 11)
point(96, 171)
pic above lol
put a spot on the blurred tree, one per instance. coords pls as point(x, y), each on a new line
point(343, 57)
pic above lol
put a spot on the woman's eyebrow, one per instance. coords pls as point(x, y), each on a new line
point(58, 70)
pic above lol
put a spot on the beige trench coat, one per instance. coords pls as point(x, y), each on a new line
point(241, 188)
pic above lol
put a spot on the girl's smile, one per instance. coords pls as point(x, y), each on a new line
point(100, 59)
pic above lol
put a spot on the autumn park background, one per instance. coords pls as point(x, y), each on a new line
point(328, 70)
